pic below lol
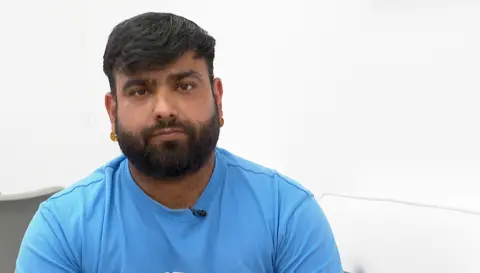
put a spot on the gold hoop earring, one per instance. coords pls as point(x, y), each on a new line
point(222, 121)
point(113, 137)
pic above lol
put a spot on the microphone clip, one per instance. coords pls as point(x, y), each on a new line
point(199, 212)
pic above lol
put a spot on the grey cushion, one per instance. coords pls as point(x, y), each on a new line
point(16, 212)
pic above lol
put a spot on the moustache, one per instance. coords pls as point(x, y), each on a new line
point(164, 124)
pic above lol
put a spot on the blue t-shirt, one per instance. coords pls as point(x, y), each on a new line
point(257, 221)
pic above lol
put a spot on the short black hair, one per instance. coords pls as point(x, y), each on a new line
point(153, 40)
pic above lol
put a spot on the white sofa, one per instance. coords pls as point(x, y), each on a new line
point(387, 236)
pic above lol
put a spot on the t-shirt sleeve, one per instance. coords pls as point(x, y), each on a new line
point(44, 247)
point(307, 244)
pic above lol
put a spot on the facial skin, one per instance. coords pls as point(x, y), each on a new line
point(180, 98)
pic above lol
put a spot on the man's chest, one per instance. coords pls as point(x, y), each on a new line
point(232, 245)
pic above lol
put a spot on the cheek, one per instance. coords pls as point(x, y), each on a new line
point(198, 112)
point(132, 118)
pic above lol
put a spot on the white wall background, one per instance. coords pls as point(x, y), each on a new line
point(373, 98)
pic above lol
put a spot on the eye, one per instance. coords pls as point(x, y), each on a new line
point(184, 87)
point(139, 92)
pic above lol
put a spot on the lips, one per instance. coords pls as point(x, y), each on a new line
point(167, 131)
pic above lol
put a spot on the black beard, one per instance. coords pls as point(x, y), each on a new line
point(170, 160)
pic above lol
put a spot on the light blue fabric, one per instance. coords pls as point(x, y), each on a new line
point(258, 221)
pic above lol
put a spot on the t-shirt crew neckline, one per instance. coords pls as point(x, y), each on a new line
point(184, 215)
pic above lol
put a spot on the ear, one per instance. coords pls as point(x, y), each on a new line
point(110, 106)
point(218, 94)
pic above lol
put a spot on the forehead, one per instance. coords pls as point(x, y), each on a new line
point(187, 62)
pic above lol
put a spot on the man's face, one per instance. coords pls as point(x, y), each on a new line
point(167, 121)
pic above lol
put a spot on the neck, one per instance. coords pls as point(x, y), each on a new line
point(179, 194)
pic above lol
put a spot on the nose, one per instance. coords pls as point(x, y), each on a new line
point(164, 106)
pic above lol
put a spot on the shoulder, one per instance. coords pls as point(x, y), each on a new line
point(84, 196)
point(265, 182)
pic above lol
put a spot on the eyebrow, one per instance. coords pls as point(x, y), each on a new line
point(185, 74)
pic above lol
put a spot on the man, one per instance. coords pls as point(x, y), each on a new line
point(173, 202)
